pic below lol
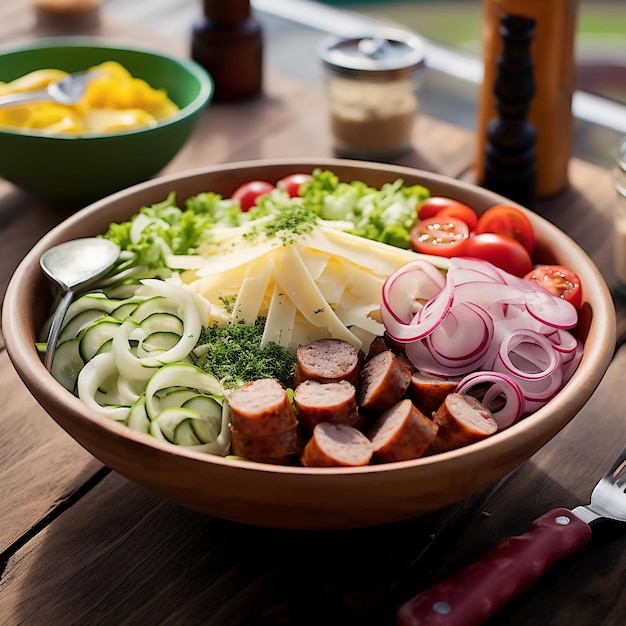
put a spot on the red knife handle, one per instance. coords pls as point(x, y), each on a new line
point(473, 595)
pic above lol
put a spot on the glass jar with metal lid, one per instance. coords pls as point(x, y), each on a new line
point(372, 84)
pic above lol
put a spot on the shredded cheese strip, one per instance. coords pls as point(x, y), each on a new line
point(327, 283)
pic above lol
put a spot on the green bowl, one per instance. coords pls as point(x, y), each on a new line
point(76, 170)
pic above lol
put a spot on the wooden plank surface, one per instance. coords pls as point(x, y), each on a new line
point(41, 466)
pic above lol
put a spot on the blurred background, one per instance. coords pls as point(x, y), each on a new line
point(601, 38)
point(454, 27)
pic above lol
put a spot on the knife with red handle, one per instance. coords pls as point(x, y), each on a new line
point(474, 594)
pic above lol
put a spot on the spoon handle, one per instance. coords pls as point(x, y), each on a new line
point(24, 96)
point(55, 328)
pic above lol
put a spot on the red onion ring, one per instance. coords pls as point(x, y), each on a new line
point(424, 322)
point(500, 385)
point(417, 280)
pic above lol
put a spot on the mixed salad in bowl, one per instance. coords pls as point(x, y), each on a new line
point(319, 322)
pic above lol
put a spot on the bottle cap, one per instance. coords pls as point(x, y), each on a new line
point(67, 13)
point(385, 54)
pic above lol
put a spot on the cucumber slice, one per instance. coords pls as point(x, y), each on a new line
point(159, 341)
point(126, 309)
point(179, 375)
point(138, 418)
point(107, 346)
point(207, 428)
point(156, 304)
point(175, 398)
point(162, 322)
point(107, 394)
point(167, 421)
point(67, 363)
point(79, 322)
point(184, 434)
point(97, 301)
point(96, 335)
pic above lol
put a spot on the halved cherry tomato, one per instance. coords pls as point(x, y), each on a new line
point(440, 236)
point(559, 281)
point(291, 184)
point(501, 250)
point(507, 220)
point(248, 193)
point(461, 212)
point(431, 206)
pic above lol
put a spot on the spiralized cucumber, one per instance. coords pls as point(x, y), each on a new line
point(130, 360)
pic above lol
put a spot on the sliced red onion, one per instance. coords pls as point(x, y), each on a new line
point(415, 281)
point(569, 366)
point(464, 335)
point(564, 342)
point(527, 354)
point(463, 267)
point(424, 322)
point(486, 320)
point(500, 386)
point(550, 310)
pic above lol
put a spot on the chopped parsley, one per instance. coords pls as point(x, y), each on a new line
point(233, 354)
point(288, 222)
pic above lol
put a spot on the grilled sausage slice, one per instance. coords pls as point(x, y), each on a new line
point(262, 408)
point(402, 432)
point(325, 402)
point(428, 392)
point(462, 420)
point(267, 448)
point(383, 382)
point(328, 360)
point(336, 445)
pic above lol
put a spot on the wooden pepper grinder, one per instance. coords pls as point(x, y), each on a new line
point(554, 74)
point(227, 41)
point(510, 159)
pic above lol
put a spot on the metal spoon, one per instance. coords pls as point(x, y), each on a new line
point(66, 91)
point(74, 266)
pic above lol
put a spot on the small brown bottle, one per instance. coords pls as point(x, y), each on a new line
point(227, 41)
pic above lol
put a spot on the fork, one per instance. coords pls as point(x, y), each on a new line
point(69, 90)
point(474, 594)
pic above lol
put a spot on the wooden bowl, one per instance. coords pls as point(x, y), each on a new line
point(298, 497)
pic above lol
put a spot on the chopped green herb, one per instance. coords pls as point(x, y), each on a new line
point(233, 354)
point(290, 223)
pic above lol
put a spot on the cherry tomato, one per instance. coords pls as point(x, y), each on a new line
point(507, 220)
point(431, 206)
point(441, 237)
point(248, 193)
point(501, 250)
point(559, 281)
point(291, 184)
point(461, 212)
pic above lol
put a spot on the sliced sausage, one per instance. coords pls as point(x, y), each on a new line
point(428, 392)
point(383, 382)
point(336, 445)
point(325, 402)
point(267, 447)
point(377, 346)
point(402, 432)
point(462, 420)
point(328, 360)
point(262, 407)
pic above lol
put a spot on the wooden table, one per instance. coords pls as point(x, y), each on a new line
point(81, 545)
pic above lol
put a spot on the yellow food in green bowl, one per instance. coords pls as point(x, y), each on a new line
point(75, 168)
point(114, 101)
